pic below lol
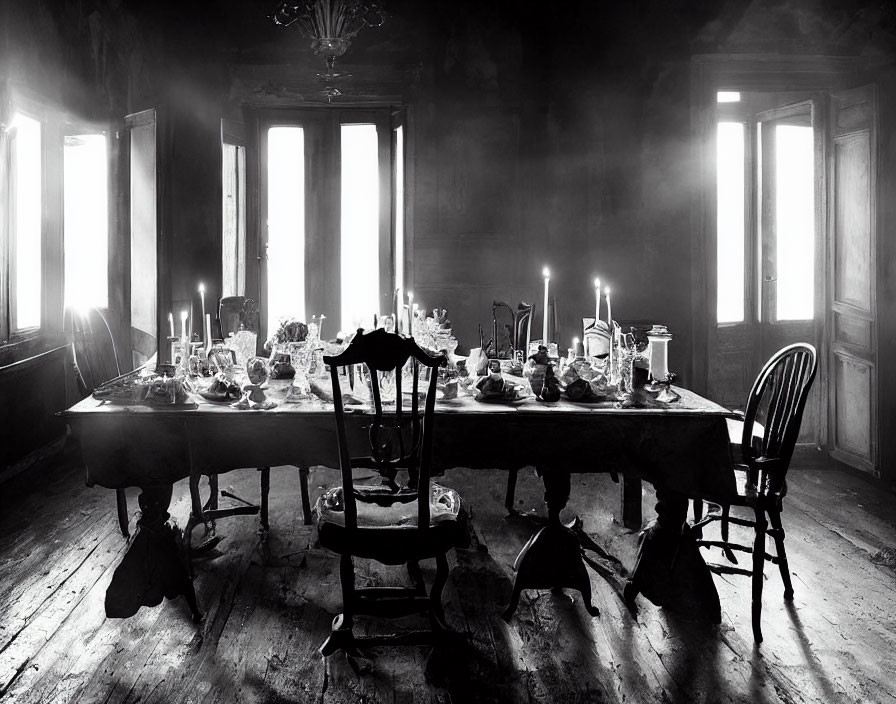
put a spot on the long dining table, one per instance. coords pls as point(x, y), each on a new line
point(682, 448)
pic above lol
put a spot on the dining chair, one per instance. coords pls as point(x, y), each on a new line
point(96, 361)
point(389, 523)
point(769, 431)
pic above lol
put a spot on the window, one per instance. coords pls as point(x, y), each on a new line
point(360, 225)
point(233, 238)
point(398, 206)
point(25, 223)
point(730, 210)
point(286, 224)
point(766, 184)
point(795, 215)
point(85, 221)
point(328, 194)
point(54, 212)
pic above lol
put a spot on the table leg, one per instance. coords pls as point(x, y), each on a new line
point(306, 495)
point(552, 559)
point(509, 495)
point(630, 502)
point(153, 567)
point(669, 570)
point(121, 503)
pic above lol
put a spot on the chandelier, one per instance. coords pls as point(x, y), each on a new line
point(331, 25)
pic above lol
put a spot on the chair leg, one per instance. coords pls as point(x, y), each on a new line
point(306, 496)
point(341, 635)
point(698, 514)
point(265, 491)
point(758, 571)
point(435, 594)
point(196, 497)
point(121, 502)
point(416, 575)
point(213, 492)
point(510, 494)
point(774, 516)
point(347, 580)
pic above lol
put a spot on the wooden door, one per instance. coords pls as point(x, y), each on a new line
point(851, 329)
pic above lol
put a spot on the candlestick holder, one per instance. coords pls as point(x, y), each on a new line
point(665, 393)
point(658, 350)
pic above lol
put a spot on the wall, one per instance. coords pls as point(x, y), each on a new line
point(542, 134)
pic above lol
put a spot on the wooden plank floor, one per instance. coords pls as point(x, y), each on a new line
point(269, 606)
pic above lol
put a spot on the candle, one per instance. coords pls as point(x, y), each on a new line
point(320, 327)
point(596, 301)
point(544, 324)
point(171, 324)
point(208, 332)
point(578, 348)
point(202, 301)
point(183, 325)
point(609, 310)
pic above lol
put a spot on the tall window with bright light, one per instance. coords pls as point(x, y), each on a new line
point(360, 226)
point(730, 209)
point(398, 206)
point(233, 240)
point(795, 222)
point(286, 225)
point(25, 223)
point(86, 227)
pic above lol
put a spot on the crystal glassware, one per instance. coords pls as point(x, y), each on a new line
point(243, 344)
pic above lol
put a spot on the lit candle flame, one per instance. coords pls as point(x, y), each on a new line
point(546, 273)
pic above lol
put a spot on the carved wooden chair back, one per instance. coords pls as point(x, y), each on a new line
point(402, 442)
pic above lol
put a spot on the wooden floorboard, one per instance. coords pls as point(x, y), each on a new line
point(269, 604)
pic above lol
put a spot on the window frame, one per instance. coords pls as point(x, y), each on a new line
point(55, 119)
point(322, 128)
point(15, 102)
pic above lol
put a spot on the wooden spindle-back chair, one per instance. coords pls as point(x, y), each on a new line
point(771, 426)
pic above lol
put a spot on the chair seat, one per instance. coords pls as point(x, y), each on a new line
point(742, 494)
point(387, 524)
